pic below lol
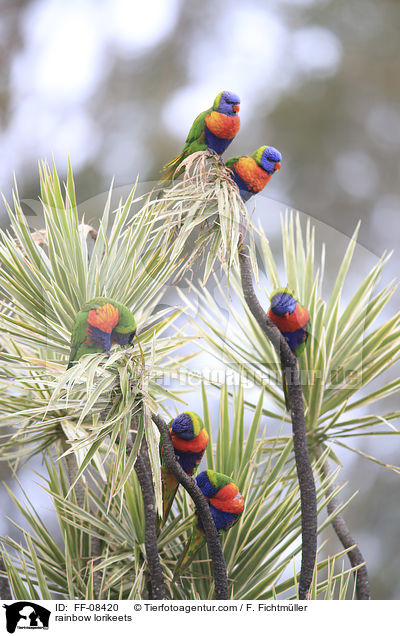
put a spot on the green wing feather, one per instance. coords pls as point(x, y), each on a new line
point(230, 163)
point(169, 487)
point(194, 544)
point(197, 129)
point(193, 143)
point(124, 313)
point(126, 324)
point(78, 336)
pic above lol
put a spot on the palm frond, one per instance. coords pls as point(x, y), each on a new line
point(43, 287)
point(345, 355)
point(205, 208)
point(261, 550)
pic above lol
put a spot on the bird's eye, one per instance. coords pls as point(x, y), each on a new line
point(228, 101)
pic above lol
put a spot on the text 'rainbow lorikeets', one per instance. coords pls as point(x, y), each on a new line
point(226, 505)
point(213, 129)
point(189, 439)
point(292, 320)
point(252, 172)
point(100, 323)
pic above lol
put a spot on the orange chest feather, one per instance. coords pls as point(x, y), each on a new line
point(291, 322)
point(222, 126)
point(195, 445)
point(251, 173)
point(104, 318)
point(228, 499)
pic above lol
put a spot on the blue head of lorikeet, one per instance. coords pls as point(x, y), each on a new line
point(189, 439)
point(252, 172)
point(227, 103)
point(271, 160)
point(225, 501)
point(293, 321)
point(226, 505)
point(283, 302)
point(291, 318)
point(214, 129)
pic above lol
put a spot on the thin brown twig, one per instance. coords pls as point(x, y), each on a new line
point(295, 395)
point(202, 509)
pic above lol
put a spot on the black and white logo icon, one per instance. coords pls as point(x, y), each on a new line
point(26, 615)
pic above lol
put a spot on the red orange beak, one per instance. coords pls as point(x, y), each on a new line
point(236, 108)
point(277, 165)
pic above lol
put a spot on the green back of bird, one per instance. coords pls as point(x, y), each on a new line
point(78, 337)
point(231, 162)
point(256, 156)
point(194, 143)
point(126, 320)
point(218, 480)
point(126, 324)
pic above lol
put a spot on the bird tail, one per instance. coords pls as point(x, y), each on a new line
point(169, 486)
point(170, 169)
point(196, 541)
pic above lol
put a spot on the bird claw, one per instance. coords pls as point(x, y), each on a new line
point(216, 158)
point(214, 155)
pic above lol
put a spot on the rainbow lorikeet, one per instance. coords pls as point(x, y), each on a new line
point(293, 321)
point(252, 172)
point(190, 439)
point(100, 323)
point(226, 505)
point(213, 129)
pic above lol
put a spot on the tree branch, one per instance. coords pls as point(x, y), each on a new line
point(342, 532)
point(202, 509)
point(150, 540)
point(295, 394)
